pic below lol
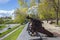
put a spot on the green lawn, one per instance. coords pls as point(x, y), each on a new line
point(14, 35)
point(2, 26)
point(8, 31)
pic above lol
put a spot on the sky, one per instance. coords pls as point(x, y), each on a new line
point(8, 4)
point(7, 7)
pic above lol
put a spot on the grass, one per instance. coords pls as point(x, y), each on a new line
point(14, 35)
point(6, 32)
point(2, 26)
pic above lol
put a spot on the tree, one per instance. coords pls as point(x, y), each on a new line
point(20, 16)
point(56, 6)
point(1, 21)
point(23, 3)
point(32, 3)
point(45, 10)
point(50, 7)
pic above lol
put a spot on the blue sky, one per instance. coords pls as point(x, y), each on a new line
point(7, 7)
point(8, 4)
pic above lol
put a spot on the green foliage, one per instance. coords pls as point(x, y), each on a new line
point(20, 15)
point(6, 32)
point(15, 34)
point(23, 3)
point(46, 11)
point(6, 20)
point(32, 3)
point(1, 21)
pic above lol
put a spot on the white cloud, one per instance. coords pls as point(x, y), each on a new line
point(4, 13)
point(4, 1)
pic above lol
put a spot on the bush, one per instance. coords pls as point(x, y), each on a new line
point(9, 28)
point(0, 33)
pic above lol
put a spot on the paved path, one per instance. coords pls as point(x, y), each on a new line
point(25, 36)
point(51, 27)
point(9, 33)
